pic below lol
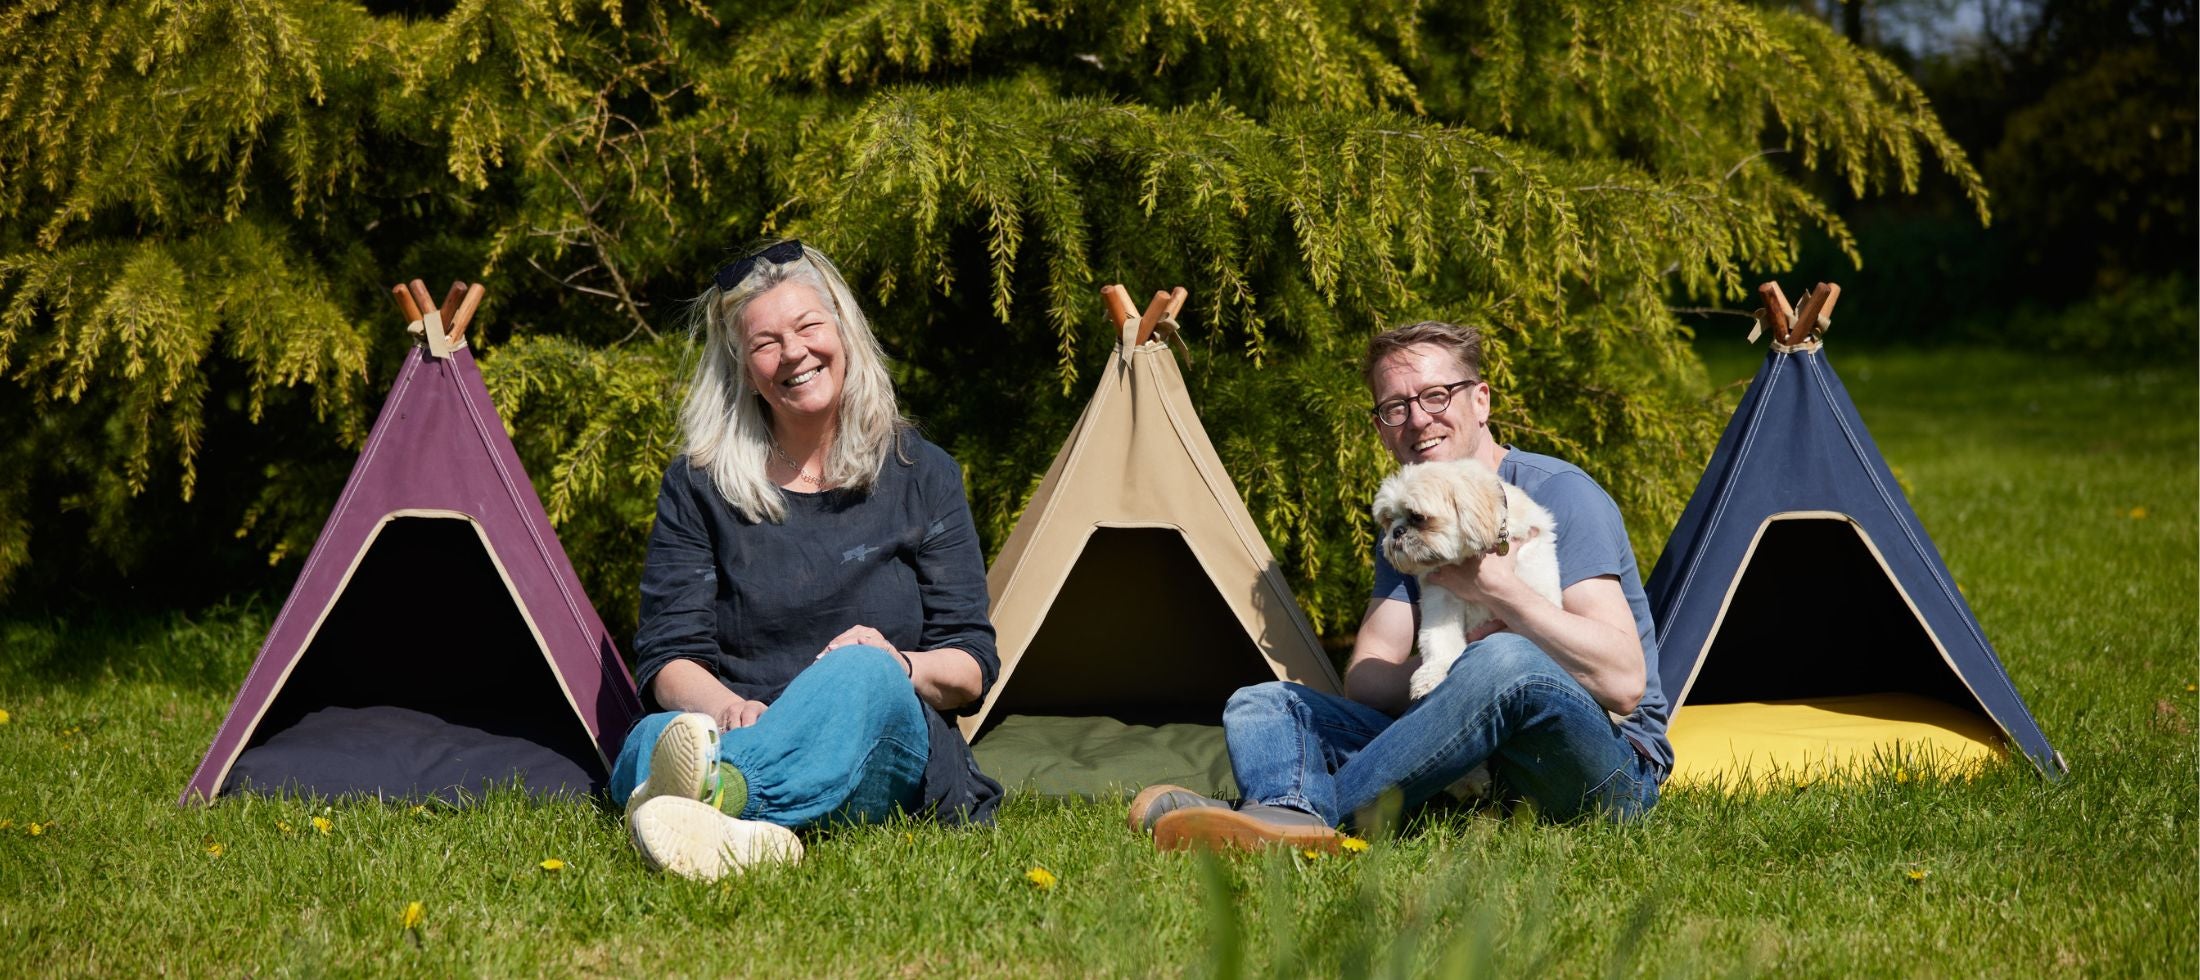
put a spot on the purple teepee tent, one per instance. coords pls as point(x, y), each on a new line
point(437, 640)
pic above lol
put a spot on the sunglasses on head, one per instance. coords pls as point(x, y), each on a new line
point(777, 253)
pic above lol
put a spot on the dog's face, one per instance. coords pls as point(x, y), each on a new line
point(1434, 514)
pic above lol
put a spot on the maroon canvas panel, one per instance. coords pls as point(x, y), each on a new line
point(439, 445)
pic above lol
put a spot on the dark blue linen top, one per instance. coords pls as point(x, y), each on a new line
point(754, 603)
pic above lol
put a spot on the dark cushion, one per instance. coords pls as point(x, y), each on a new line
point(399, 753)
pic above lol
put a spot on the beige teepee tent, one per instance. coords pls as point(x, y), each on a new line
point(1135, 590)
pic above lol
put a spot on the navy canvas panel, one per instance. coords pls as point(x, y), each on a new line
point(1796, 444)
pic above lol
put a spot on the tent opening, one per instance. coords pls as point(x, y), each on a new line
point(1125, 680)
point(1817, 616)
point(1820, 669)
point(1138, 633)
point(424, 679)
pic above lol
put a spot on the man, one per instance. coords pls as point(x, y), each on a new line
point(1561, 702)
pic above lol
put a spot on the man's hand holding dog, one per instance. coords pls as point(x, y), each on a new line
point(1488, 580)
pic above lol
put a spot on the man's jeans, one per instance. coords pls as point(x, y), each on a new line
point(845, 741)
point(1504, 702)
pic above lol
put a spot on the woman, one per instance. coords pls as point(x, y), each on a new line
point(814, 595)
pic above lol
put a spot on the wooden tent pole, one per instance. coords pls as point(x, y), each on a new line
point(1817, 305)
point(1119, 304)
point(465, 314)
point(451, 299)
point(405, 303)
point(1778, 314)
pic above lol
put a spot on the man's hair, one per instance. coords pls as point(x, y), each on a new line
point(1463, 343)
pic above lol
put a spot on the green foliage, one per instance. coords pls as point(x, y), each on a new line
point(2144, 322)
point(2104, 165)
point(246, 176)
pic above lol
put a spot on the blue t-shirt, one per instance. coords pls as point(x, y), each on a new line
point(1591, 542)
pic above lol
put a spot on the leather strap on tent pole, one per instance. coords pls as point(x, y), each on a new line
point(1124, 314)
point(431, 321)
point(423, 319)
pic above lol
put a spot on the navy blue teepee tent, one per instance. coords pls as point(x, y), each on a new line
point(1799, 572)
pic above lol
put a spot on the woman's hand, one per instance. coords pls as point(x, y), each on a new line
point(684, 685)
point(946, 678)
point(738, 713)
point(860, 635)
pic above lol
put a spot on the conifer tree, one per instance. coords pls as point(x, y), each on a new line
point(201, 202)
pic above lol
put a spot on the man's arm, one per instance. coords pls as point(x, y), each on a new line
point(1592, 634)
point(1382, 657)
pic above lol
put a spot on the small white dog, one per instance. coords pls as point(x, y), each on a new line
point(1436, 514)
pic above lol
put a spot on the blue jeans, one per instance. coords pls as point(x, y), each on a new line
point(845, 741)
point(1505, 702)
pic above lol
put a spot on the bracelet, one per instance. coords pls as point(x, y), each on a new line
point(907, 664)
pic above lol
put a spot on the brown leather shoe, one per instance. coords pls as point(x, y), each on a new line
point(1250, 827)
point(1161, 799)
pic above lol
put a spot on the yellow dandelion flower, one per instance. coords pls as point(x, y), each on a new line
point(415, 914)
point(552, 864)
point(5, 824)
point(2138, 513)
point(323, 824)
point(420, 809)
point(283, 826)
point(1041, 878)
point(1354, 844)
point(1902, 775)
point(1310, 854)
point(3, 716)
point(1917, 874)
point(2192, 687)
point(216, 849)
point(37, 828)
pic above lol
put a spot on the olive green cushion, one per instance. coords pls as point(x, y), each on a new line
point(1100, 757)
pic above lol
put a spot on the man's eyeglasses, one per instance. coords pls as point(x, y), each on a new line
point(777, 253)
point(1433, 401)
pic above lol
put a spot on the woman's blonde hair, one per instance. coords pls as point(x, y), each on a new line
point(725, 422)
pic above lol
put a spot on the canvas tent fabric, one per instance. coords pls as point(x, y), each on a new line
point(1799, 574)
point(437, 641)
point(1135, 589)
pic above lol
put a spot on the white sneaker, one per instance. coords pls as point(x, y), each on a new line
point(692, 839)
point(683, 763)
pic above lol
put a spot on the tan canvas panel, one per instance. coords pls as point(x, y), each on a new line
point(1138, 493)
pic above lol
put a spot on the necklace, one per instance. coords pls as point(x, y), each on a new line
point(800, 475)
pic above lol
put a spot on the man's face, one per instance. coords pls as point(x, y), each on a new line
point(1457, 432)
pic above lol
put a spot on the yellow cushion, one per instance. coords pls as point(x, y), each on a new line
point(1761, 744)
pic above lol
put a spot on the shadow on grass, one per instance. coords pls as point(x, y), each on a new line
point(207, 650)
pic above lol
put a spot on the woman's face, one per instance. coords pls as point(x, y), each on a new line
point(794, 355)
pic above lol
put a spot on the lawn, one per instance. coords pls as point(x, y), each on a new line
point(2063, 497)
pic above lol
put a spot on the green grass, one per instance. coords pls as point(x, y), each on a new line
point(2031, 474)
